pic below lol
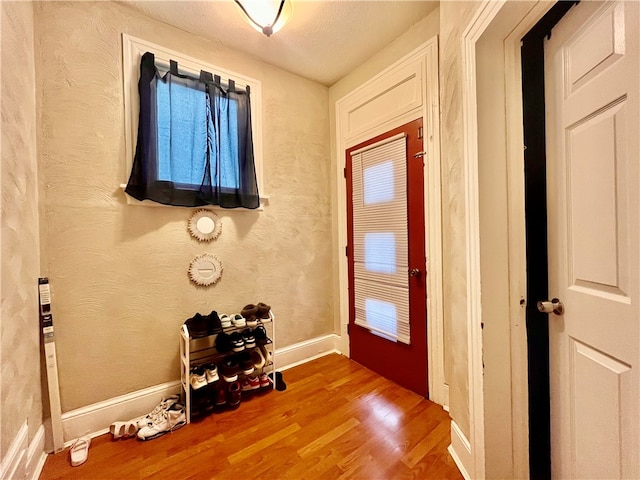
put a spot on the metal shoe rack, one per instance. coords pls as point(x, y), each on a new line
point(202, 350)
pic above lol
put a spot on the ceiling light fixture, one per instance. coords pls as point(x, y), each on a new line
point(266, 16)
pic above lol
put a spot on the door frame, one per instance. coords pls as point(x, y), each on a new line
point(498, 442)
point(416, 75)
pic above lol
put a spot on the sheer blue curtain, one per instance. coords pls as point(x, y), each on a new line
point(194, 141)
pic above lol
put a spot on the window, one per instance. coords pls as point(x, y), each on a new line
point(195, 149)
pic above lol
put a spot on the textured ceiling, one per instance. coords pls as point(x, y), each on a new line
point(322, 41)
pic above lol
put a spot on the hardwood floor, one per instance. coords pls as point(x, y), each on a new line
point(335, 420)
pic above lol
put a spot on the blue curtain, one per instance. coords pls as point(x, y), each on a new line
point(194, 141)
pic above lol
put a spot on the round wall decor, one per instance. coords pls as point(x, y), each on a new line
point(204, 225)
point(205, 269)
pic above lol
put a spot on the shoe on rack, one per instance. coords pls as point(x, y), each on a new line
point(161, 407)
point(233, 394)
point(268, 356)
point(237, 342)
point(197, 326)
point(197, 378)
point(249, 312)
point(249, 339)
point(225, 321)
point(238, 321)
point(260, 334)
point(230, 369)
point(265, 381)
point(211, 372)
point(257, 357)
point(170, 420)
point(220, 394)
point(223, 343)
point(250, 383)
point(246, 363)
point(214, 325)
point(263, 312)
point(201, 403)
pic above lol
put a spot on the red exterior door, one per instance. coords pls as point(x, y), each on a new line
point(386, 256)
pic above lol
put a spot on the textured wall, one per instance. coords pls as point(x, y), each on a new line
point(119, 273)
point(454, 17)
point(20, 332)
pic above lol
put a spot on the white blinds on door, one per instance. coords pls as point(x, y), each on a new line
point(380, 239)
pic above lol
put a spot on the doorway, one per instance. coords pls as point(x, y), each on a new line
point(581, 105)
point(386, 256)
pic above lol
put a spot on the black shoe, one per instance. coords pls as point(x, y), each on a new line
point(249, 339)
point(280, 385)
point(230, 369)
point(246, 363)
point(213, 323)
point(260, 334)
point(223, 343)
point(237, 342)
point(197, 326)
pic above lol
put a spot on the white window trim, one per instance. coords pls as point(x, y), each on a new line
point(132, 50)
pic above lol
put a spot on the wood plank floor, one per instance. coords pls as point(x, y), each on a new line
point(335, 420)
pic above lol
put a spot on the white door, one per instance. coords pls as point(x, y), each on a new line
point(592, 89)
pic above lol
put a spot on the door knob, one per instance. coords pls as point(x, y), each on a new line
point(414, 272)
point(553, 306)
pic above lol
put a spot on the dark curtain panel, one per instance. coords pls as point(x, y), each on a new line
point(194, 141)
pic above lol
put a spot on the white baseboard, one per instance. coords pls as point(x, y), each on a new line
point(36, 455)
point(296, 354)
point(14, 462)
point(24, 459)
point(460, 450)
point(94, 420)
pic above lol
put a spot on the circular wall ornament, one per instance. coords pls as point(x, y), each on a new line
point(205, 269)
point(205, 225)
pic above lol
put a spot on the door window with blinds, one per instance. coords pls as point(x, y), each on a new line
point(380, 239)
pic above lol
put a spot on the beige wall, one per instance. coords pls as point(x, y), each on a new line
point(118, 272)
point(20, 332)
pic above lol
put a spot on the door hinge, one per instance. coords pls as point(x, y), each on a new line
point(348, 328)
point(420, 132)
point(345, 172)
point(346, 251)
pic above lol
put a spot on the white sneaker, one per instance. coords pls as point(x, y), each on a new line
point(165, 404)
point(169, 420)
point(238, 321)
point(198, 378)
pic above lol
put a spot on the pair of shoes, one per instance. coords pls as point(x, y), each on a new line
point(165, 404)
point(250, 383)
point(203, 325)
point(257, 358)
point(79, 451)
point(123, 429)
point(230, 369)
point(255, 313)
point(168, 421)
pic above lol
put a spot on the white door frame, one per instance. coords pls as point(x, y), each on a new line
point(494, 175)
point(415, 79)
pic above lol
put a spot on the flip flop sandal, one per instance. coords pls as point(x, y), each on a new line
point(79, 451)
point(123, 429)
